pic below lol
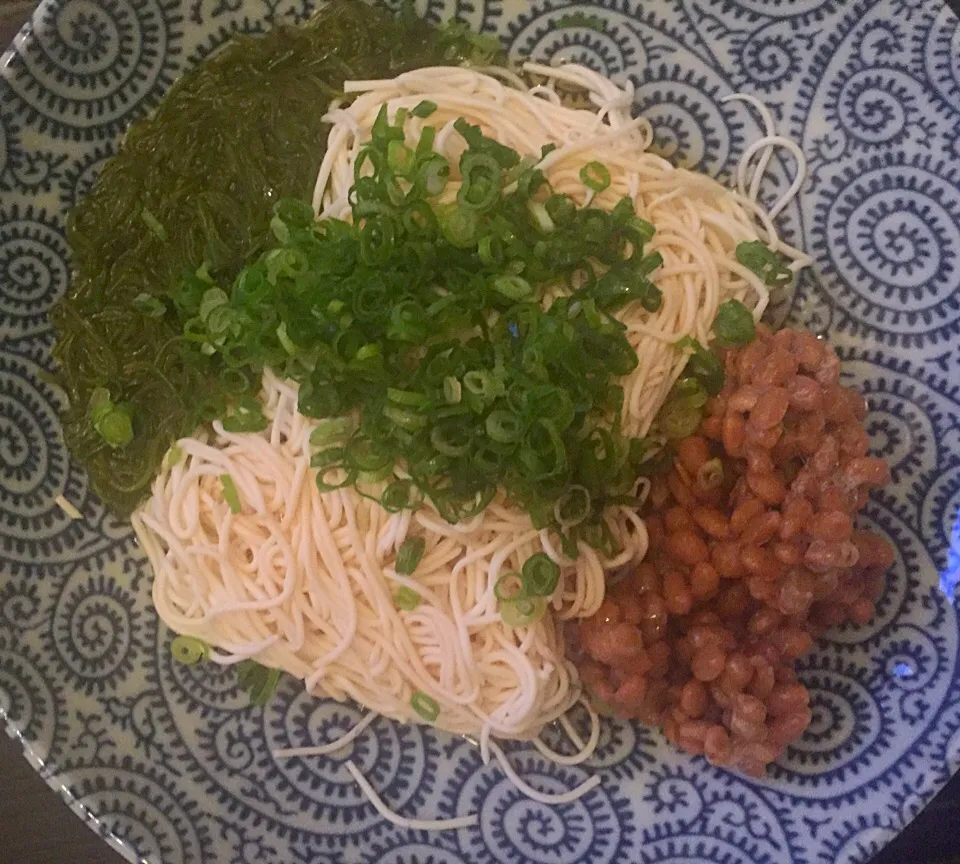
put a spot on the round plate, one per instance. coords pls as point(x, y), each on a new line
point(170, 765)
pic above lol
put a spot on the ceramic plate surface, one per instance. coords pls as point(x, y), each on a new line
point(169, 764)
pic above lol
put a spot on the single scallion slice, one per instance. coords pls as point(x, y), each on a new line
point(148, 305)
point(710, 475)
point(509, 587)
point(407, 599)
point(734, 325)
point(230, 493)
point(524, 612)
point(258, 680)
point(595, 176)
point(409, 555)
point(424, 108)
point(540, 575)
point(452, 390)
point(153, 224)
point(426, 706)
point(770, 266)
point(330, 430)
point(399, 495)
point(189, 650)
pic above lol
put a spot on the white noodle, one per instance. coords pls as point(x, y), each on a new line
point(68, 507)
point(536, 794)
point(402, 821)
point(326, 749)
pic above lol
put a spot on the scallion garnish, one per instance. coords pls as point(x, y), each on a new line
point(330, 430)
point(409, 555)
point(424, 108)
point(733, 325)
point(770, 266)
point(540, 575)
point(189, 650)
point(148, 305)
point(524, 612)
point(153, 224)
point(703, 365)
point(112, 422)
point(407, 599)
point(595, 176)
point(399, 495)
point(426, 706)
point(258, 680)
point(417, 336)
point(509, 587)
point(230, 494)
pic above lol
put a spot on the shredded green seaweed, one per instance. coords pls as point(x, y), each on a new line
point(195, 182)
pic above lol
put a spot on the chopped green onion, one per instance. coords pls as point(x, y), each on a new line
point(541, 217)
point(416, 330)
point(679, 417)
point(325, 483)
point(480, 187)
point(734, 325)
point(399, 495)
point(572, 507)
point(510, 587)
point(153, 224)
point(513, 287)
point(257, 680)
point(596, 176)
point(230, 494)
point(452, 391)
point(363, 454)
point(710, 475)
point(247, 416)
point(331, 429)
point(173, 456)
point(115, 426)
point(400, 158)
point(328, 457)
point(407, 599)
point(285, 341)
point(406, 397)
point(189, 650)
point(476, 140)
point(405, 418)
point(524, 612)
point(645, 229)
point(374, 476)
point(409, 555)
point(483, 383)
point(703, 365)
point(451, 439)
point(112, 422)
point(424, 108)
point(427, 707)
point(503, 427)
point(148, 305)
point(770, 266)
point(458, 224)
point(433, 175)
point(540, 575)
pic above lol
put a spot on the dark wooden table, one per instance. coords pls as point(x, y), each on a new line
point(36, 827)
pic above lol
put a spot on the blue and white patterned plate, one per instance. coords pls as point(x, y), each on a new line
point(169, 764)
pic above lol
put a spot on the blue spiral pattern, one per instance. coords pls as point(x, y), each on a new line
point(168, 762)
